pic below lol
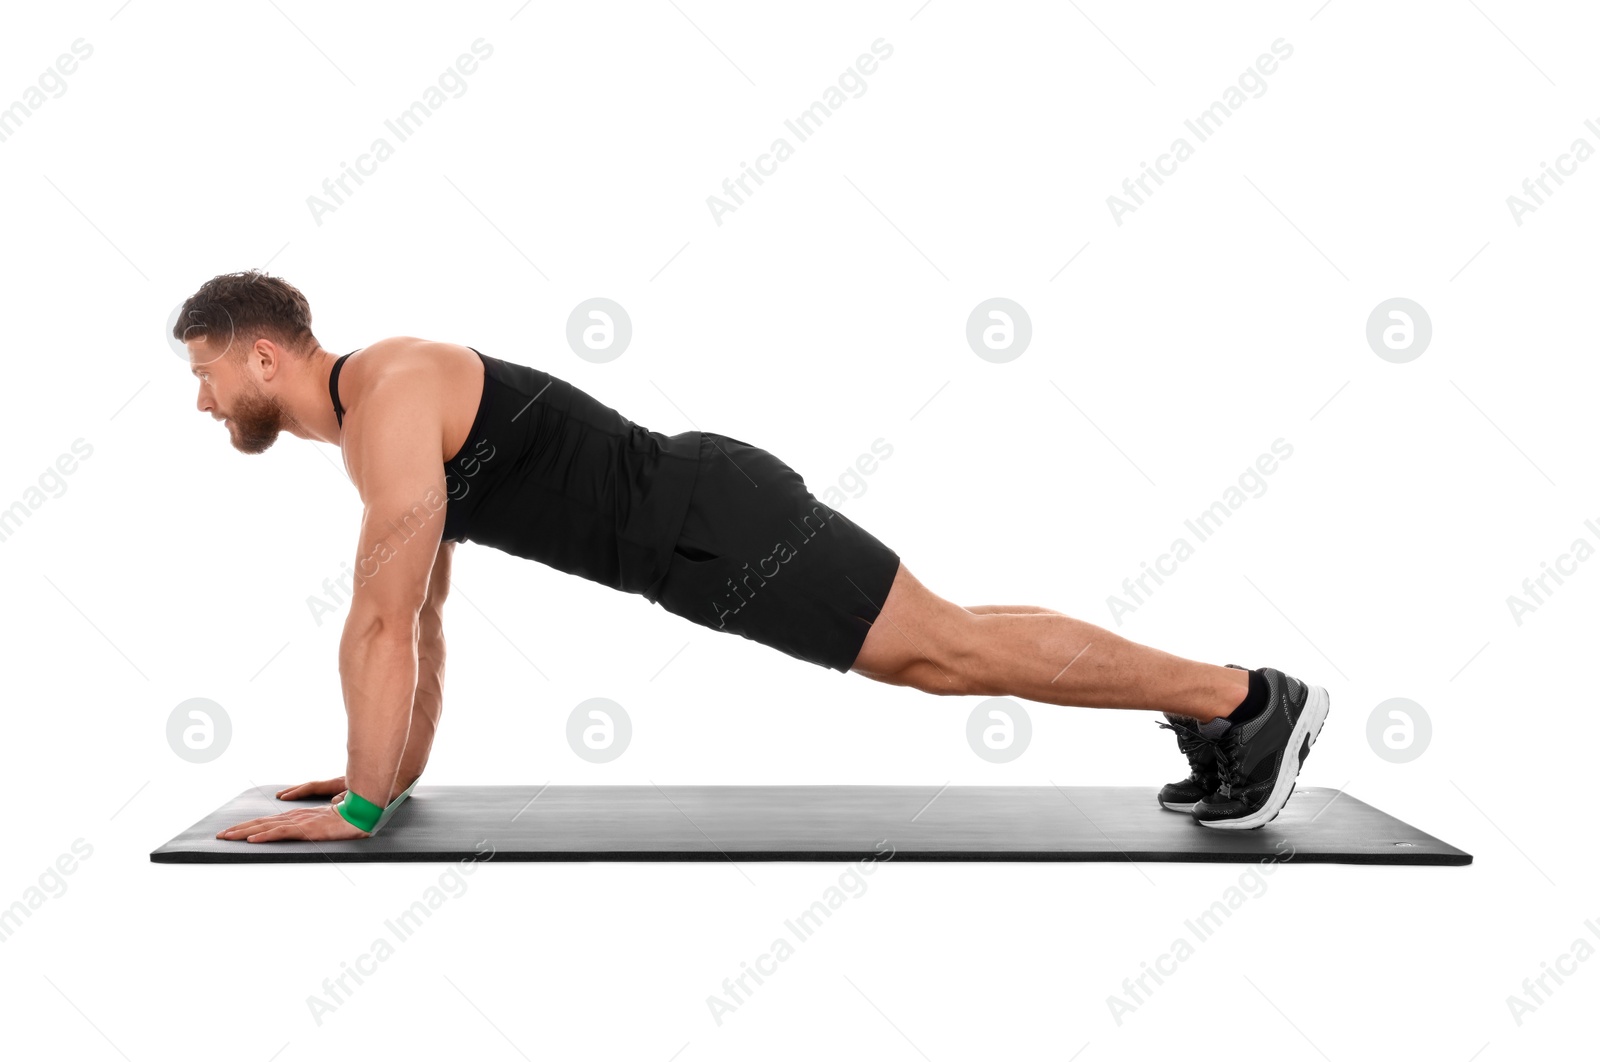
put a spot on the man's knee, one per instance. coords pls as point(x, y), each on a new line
point(951, 674)
point(923, 641)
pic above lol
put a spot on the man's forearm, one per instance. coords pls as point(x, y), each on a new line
point(378, 670)
point(425, 708)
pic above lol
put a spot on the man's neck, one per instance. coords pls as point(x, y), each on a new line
point(311, 415)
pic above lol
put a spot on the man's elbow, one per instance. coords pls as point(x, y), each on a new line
point(370, 623)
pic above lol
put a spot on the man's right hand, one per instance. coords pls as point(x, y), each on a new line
point(333, 787)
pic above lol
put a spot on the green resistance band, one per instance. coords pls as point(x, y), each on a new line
point(364, 815)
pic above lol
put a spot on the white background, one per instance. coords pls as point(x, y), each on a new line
point(825, 313)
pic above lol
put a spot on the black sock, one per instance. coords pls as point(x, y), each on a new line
point(1254, 703)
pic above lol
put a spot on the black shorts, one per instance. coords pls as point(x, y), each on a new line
point(759, 556)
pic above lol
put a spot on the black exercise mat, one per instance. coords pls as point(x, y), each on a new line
point(444, 823)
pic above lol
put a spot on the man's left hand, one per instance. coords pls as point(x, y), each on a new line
point(302, 824)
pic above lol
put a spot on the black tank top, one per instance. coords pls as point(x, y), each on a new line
point(551, 474)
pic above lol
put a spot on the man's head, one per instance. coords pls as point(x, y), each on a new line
point(249, 340)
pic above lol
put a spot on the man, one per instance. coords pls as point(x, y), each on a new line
point(446, 444)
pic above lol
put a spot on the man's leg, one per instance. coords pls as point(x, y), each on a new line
point(921, 640)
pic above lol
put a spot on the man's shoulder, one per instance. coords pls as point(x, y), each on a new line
point(410, 361)
point(394, 377)
point(398, 350)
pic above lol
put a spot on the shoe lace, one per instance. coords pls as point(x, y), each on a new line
point(1230, 771)
point(1229, 774)
point(1189, 742)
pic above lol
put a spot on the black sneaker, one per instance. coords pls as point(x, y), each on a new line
point(1203, 776)
point(1259, 759)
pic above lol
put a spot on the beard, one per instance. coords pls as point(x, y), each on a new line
point(256, 422)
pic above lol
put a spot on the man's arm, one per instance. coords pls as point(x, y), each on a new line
point(392, 448)
point(428, 704)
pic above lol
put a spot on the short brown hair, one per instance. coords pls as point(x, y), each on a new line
point(246, 306)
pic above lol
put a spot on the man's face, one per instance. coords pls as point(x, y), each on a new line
point(230, 393)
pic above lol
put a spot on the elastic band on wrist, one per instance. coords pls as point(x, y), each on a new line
point(364, 815)
point(358, 811)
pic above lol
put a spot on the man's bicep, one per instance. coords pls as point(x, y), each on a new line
point(401, 479)
point(394, 558)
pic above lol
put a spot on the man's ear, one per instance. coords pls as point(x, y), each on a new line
point(268, 355)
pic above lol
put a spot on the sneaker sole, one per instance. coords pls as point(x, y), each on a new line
point(1302, 737)
point(1177, 807)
